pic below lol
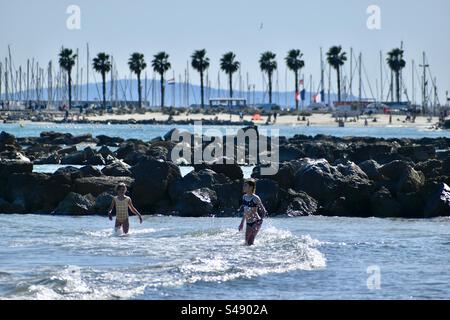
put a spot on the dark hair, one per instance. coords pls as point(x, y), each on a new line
point(121, 185)
point(251, 183)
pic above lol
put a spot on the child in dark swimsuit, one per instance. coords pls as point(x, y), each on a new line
point(251, 203)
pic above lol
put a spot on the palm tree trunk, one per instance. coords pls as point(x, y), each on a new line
point(231, 85)
point(392, 86)
point(270, 87)
point(70, 89)
point(296, 90)
point(201, 89)
point(139, 89)
point(162, 90)
point(339, 83)
point(397, 84)
point(104, 89)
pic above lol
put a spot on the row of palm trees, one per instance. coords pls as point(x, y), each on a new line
point(336, 58)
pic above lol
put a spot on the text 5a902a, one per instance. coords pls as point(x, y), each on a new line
point(246, 309)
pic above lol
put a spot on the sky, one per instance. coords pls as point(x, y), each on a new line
point(37, 29)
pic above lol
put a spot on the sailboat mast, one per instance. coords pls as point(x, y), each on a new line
point(87, 72)
point(381, 77)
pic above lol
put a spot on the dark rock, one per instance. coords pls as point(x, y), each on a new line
point(267, 190)
point(229, 197)
point(403, 177)
point(438, 203)
point(152, 179)
point(195, 180)
point(295, 204)
point(74, 204)
point(103, 203)
point(68, 150)
point(197, 203)
point(8, 167)
point(117, 169)
point(76, 158)
point(418, 152)
point(90, 171)
point(105, 152)
point(109, 141)
point(225, 166)
point(53, 158)
point(372, 169)
point(98, 185)
point(383, 205)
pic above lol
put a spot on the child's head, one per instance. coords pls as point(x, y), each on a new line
point(249, 186)
point(121, 189)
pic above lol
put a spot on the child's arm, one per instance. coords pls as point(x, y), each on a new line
point(134, 210)
point(111, 207)
point(260, 205)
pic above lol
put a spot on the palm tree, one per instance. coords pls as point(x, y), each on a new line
point(200, 62)
point(336, 58)
point(67, 62)
point(268, 65)
point(229, 66)
point(137, 65)
point(295, 63)
point(160, 65)
point(396, 64)
point(102, 64)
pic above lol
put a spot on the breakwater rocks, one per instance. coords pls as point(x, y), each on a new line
point(322, 175)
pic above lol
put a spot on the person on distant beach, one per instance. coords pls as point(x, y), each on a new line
point(122, 203)
point(251, 203)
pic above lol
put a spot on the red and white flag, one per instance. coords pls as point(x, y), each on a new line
point(297, 96)
point(171, 81)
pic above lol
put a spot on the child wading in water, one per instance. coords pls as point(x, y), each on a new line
point(122, 203)
point(251, 202)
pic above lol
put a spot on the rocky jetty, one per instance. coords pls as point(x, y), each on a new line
point(322, 175)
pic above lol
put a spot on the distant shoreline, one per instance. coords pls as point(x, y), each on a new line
point(221, 119)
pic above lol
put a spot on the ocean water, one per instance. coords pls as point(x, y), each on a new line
point(148, 132)
point(49, 257)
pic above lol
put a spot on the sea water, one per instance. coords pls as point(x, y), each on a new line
point(60, 257)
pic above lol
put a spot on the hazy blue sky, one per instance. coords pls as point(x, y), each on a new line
point(38, 29)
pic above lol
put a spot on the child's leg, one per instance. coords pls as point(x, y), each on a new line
point(253, 231)
point(118, 225)
point(126, 226)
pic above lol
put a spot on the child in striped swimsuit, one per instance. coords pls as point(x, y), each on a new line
point(251, 203)
point(121, 202)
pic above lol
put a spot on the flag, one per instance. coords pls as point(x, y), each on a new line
point(171, 81)
point(297, 96)
point(302, 82)
point(317, 98)
point(302, 94)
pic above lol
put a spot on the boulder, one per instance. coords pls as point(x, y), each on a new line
point(103, 203)
point(195, 180)
point(197, 203)
point(225, 166)
point(372, 169)
point(8, 167)
point(98, 185)
point(438, 202)
point(418, 152)
point(117, 169)
point(403, 178)
point(229, 197)
point(295, 204)
point(89, 171)
point(109, 141)
point(383, 205)
point(74, 204)
point(152, 179)
point(267, 190)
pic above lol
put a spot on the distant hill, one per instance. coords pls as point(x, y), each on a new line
point(127, 91)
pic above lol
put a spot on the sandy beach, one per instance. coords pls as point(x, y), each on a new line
point(314, 119)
